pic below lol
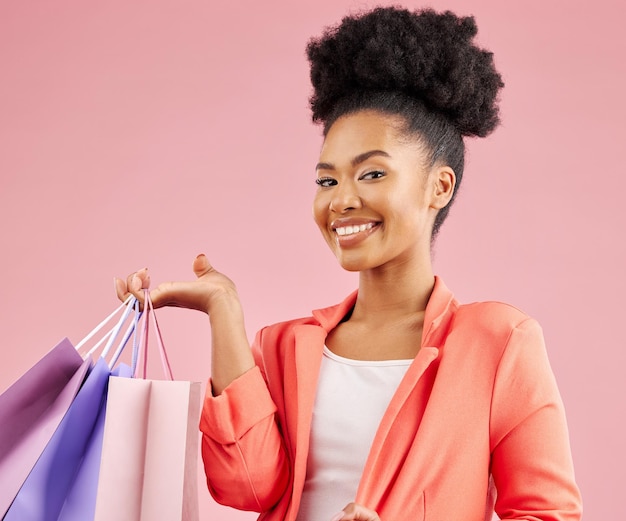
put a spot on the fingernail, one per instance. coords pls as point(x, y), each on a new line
point(201, 255)
point(338, 516)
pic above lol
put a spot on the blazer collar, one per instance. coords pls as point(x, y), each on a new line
point(439, 311)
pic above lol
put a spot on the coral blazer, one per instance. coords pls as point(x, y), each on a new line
point(478, 411)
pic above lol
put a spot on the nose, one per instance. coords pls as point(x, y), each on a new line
point(345, 197)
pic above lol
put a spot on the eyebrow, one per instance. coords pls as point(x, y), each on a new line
point(355, 161)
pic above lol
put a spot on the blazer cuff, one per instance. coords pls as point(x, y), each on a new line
point(245, 402)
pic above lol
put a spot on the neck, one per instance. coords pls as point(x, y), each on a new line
point(388, 294)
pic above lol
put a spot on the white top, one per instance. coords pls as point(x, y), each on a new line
point(352, 396)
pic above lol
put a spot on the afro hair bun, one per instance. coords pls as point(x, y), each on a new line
point(424, 55)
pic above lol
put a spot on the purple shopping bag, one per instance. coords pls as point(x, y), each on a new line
point(30, 412)
point(80, 501)
point(44, 492)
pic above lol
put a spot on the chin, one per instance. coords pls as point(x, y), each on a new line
point(355, 264)
point(351, 268)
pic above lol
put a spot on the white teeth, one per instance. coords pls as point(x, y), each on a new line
point(349, 230)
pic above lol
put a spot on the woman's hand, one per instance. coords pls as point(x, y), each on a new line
point(354, 512)
point(216, 295)
point(209, 286)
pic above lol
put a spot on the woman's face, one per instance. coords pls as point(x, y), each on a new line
point(378, 196)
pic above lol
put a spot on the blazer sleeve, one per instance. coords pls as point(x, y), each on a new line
point(243, 450)
point(531, 458)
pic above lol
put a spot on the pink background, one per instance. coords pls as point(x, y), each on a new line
point(141, 133)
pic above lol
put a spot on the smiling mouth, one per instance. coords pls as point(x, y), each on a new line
point(351, 230)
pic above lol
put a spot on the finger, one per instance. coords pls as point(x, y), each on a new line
point(354, 512)
point(142, 275)
point(201, 265)
point(133, 286)
point(120, 289)
point(136, 282)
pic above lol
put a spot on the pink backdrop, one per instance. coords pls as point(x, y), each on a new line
point(140, 133)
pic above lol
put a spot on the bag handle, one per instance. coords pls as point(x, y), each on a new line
point(149, 313)
point(111, 336)
point(103, 323)
point(132, 328)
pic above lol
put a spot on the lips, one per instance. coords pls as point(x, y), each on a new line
point(353, 230)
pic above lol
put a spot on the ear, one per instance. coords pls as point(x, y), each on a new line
point(443, 183)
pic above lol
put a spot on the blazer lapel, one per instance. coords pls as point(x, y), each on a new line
point(386, 456)
point(307, 358)
point(372, 486)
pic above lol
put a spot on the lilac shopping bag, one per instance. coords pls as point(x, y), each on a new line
point(64, 463)
point(57, 458)
point(30, 412)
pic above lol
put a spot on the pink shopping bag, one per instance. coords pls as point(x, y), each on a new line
point(148, 470)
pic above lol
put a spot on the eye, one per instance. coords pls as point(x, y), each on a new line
point(325, 182)
point(374, 174)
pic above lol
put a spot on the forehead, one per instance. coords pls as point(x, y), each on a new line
point(366, 130)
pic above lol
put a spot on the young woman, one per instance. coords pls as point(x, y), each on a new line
point(399, 402)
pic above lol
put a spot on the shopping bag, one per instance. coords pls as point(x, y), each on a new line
point(80, 500)
point(46, 489)
point(30, 412)
point(148, 470)
point(44, 492)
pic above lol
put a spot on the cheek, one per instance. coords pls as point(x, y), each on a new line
point(409, 199)
point(407, 215)
point(319, 211)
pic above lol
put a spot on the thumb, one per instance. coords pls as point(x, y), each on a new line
point(201, 265)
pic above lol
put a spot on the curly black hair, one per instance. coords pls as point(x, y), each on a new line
point(420, 65)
